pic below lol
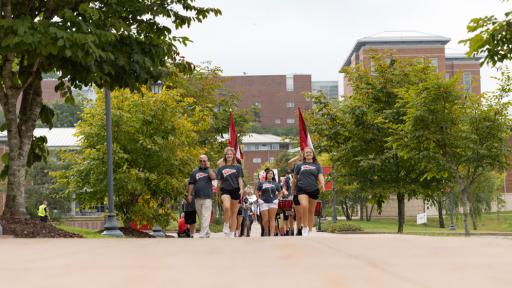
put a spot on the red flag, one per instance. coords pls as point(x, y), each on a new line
point(233, 139)
point(304, 139)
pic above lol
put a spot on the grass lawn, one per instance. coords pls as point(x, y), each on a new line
point(86, 233)
point(491, 222)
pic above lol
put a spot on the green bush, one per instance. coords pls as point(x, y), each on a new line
point(341, 227)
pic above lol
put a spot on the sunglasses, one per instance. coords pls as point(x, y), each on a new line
point(203, 161)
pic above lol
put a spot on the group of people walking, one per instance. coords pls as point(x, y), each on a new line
point(302, 185)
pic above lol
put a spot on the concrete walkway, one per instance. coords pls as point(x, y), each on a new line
point(321, 260)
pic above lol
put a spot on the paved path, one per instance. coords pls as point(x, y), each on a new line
point(321, 260)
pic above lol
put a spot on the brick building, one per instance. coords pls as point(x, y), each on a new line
point(424, 47)
point(260, 149)
point(329, 88)
point(277, 96)
point(417, 45)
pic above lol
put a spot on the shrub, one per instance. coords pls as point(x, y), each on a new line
point(341, 227)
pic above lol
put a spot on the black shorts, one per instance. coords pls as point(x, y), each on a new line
point(239, 213)
point(311, 194)
point(190, 217)
point(285, 216)
point(296, 200)
point(233, 193)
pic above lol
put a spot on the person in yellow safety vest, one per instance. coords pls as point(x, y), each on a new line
point(43, 212)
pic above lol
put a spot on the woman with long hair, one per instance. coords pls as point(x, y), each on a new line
point(268, 192)
point(231, 185)
point(309, 180)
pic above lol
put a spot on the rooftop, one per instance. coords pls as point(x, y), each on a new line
point(395, 38)
point(253, 138)
point(57, 137)
point(462, 57)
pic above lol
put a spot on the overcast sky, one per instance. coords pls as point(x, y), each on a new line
point(314, 37)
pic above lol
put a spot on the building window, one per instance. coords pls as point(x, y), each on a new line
point(249, 147)
point(467, 81)
point(290, 104)
point(275, 146)
point(263, 147)
point(289, 83)
point(372, 68)
point(257, 104)
point(420, 60)
point(277, 121)
point(434, 63)
point(271, 159)
point(290, 120)
point(447, 76)
point(256, 160)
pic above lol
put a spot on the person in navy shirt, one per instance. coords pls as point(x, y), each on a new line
point(308, 180)
point(200, 188)
point(231, 185)
point(268, 192)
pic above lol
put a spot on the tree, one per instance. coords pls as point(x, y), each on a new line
point(492, 38)
point(357, 132)
point(454, 137)
point(155, 148)
point(109, 44)
point(67, 114)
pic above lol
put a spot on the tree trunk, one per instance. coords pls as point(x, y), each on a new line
point(439, 205)
point(361, 206)
point(464, 194)
point(366, 212)
point(346, 210)
point(473, 219)
point(20, 131)
point(371, 213)
point(401, 212)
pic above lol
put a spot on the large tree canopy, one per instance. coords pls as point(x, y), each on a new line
point(108, 43)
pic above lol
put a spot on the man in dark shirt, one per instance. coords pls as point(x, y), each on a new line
point(200, 188)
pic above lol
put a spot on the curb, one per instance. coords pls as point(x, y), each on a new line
point(509, 234)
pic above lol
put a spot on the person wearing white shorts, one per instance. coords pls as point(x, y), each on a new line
point(266, 206)
point(268, 191)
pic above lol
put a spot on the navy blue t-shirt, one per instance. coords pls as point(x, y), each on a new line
point(202, 183)
point(307, 173)
point(269, 190)
point(229, 175)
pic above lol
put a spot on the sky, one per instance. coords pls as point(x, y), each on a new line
point(268, 37)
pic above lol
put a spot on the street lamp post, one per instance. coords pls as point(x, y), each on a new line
point(156, 88)
point(334, 215)
point(452, 226)
point(111, 227)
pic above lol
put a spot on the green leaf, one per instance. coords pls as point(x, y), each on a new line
point(46, 115)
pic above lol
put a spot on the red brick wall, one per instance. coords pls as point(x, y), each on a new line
point(363, 56)
point(270, 92)
point(453, 67)
point(250, 168)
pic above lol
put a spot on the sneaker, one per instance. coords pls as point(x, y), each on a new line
point(232, 235)
point(305, 233)
point(226, 229)
point(299, 232)
point(292, 232)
